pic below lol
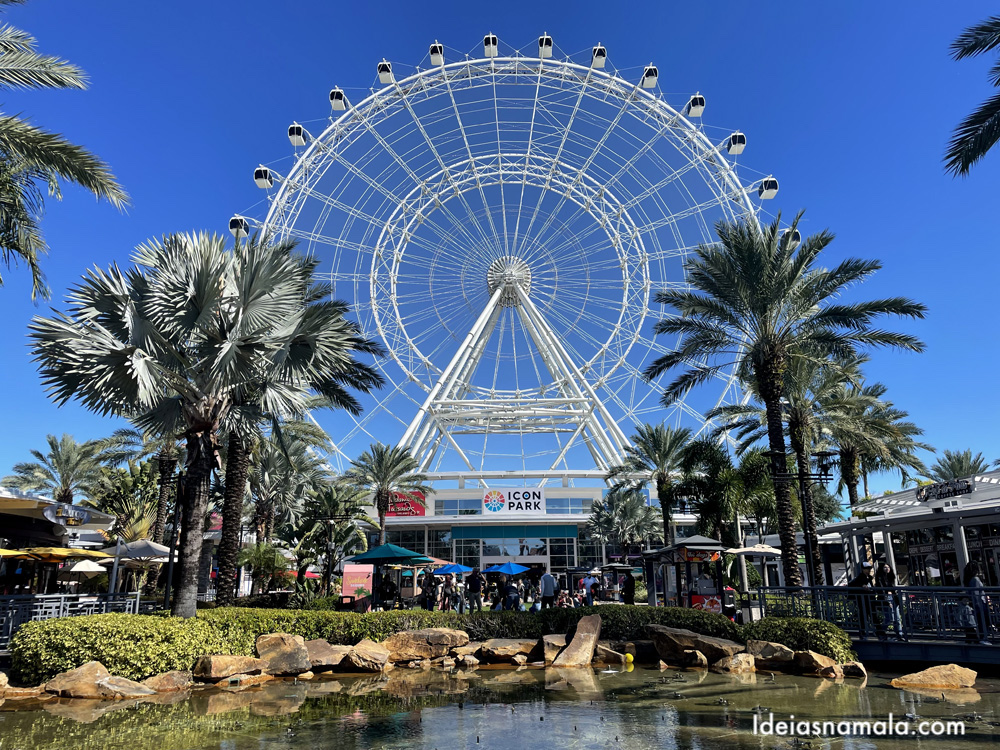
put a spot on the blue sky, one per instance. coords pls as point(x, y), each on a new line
point(848, 104)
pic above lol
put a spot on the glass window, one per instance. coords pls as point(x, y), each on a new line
point(467, 552)
point(588, 551)
point(562, 553)
point(411, 539)
point(439, 544)
point(463, 507)
point(944, 534)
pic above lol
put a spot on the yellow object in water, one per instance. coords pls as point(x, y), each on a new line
point(629, 658)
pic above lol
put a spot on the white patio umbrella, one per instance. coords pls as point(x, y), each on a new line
point(82, 569)
point(764, 550)
point(138, 554)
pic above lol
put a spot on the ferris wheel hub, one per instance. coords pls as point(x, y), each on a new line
point(508, 273)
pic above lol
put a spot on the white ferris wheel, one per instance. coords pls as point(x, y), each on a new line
point(500, 222)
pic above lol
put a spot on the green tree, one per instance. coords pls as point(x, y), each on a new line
point(67, 469)
point(265, 561)
point(33, 160)
point(385, 472)
point(624, 518)
point(332, 523)
point(130, 494)
point(958, 465)
point(652, 457)
point(757, 301)
point(168, 344)
point(979, 131)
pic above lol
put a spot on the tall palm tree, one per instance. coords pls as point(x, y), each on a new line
point(130, 495)
point(958, 465)
point(624, 518)
point(980, 131)
point(265, 561)
point(33, 160)
point(653, 456)
point(384, 472)
point(757, 301)
point(67, 469)
point(331, 522)
point(168, 343)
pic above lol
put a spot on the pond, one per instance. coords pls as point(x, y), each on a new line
point(499, 708)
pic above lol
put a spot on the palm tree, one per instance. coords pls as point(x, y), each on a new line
point(385, 472)
point(624, 518)
point(130, 495)
point(69, 468)
point(757, 302)
point(265, 562)
point(978, 132)
point(958, 465)
point(653, 456)
point(168, 344)
point(332, 519)
point(32, 159)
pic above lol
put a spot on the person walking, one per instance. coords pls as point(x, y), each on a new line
point(860, 587)
point(429, 587)
point(628, 588)
point(448, 593)
point(588, 589)
point(972, 579)
point(512, 598)
point(475, 584)
point(547, 591)
point(888, 599)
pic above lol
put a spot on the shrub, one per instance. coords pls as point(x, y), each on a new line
point(133, 646)
point(803, 634)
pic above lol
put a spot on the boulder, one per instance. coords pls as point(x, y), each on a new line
point(742, 663)
point(770, 654)
point(446, 662)
point(366, 656)
point(427, 643)
point(240, 681)
point(3, 680)
point(604, 654)
point(694, 659)
point(855, 669)
point(285, 654)
point(20, 693)
point(835, 672)
point(520, 660)
point(219, 666)
point(643, 652)
point(552, 645)
point(671, 643)
point(946, 676)
point(119, 688)
point(323, 657)
point(468, 661)
point(469, 649)
point(503, 650)
point(580, 651)
point(811, 663)
point(169, 682)
point(663, 665)
point(80, 682)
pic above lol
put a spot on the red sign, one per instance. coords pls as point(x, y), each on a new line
point(403, 505)
point(708, 603)
point(356, 576)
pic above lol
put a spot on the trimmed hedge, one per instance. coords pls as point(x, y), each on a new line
point(138, 646)
point(803, 634)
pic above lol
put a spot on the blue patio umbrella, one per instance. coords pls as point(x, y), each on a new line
point(509, 568)
point(454, 568)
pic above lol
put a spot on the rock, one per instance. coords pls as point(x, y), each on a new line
point(580, 651)
point(835, 672)
point(643, 652)
point(694, 659)
point(427, 643)
point(80, 682)
point(946, 676)
point(607, 655)
point(671, 643)
point(219, 666)
point(220, 701)
point(366, 656)
point(770, 654)
point(501, 650)
point(447, 662)
point(811, 662)
point(285, 654)
point(520, 660)
point(119, 688)
point(169, 682)
point(16, 693)
point(663, 665)
point(855, 669)
point(240, 681)
point(470, 648)
point(3, 680)
point(323, 657)
point(468, 661)
point(742, 663)
point(552, 645)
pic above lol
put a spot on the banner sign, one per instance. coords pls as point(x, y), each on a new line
point(529, 501)
point(403, 505)
point(945, 490)
point(356, 576)
point(67, 515)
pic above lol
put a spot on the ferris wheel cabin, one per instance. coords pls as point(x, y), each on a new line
point(794, 237)
point(437, 54)
point(767, 189)
point(239, 227)
point(385, 73)
point(598, 56)
point(736, 143)
point(696, 105)
point(649, 77)
point(263, 178)
point(545, 46)
point(296, 134)
point(491, 45)
point(338, 100)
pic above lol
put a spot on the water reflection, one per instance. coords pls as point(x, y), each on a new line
point(489, 708)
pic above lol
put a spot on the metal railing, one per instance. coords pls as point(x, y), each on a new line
point(903, 613)
point(19, 609)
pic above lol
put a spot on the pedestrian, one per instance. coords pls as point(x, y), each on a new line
point(888, 599)
point(474, 585)
point(628, 588)
point(512, 598)
point(447, 593)
point(547, 590)
point(429, 586)
point(860, 587)
point(972, 579)
point(588, 589)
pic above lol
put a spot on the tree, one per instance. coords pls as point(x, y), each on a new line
point(757, 301)
point(385, 472)
point(265, 562)
point(69, 468)
point(978, 132)
point(129, 494)
point(332, 519)
point(169, 343)
point(652, 457)
point(31, 158)
point(624, 518)
point(957, 465)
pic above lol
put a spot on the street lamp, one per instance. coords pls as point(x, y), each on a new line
point(330, 522)
point(781, 475)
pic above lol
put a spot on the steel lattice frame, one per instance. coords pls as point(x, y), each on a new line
point(501, 225)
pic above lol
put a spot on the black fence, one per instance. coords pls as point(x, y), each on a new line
point(17, 610)
point(903, 613)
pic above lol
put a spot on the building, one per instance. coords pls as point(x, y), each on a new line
point(28, 520)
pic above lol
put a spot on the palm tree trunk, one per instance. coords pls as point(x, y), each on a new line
point(769, 385)
point(237, 466)
point(849, 472)
point(864, 478)
point(167, 467)
point(383, 510)
point(797, 431)
point(197, 488)
point(663, 494)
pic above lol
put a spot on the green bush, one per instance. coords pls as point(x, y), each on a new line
point(803, 634)
point(133, 646)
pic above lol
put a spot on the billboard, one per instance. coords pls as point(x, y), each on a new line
point(526, 501)
point(403, 505)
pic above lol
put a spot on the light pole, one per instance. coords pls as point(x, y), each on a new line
point(330, 522)
point(781, 475)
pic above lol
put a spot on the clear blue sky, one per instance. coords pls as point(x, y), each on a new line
point(848, 104)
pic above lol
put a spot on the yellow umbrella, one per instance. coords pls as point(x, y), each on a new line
point(14, 553)
point(58, 554)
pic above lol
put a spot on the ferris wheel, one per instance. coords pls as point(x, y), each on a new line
point(501, 222)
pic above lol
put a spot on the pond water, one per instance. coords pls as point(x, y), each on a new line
point(494, 708)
